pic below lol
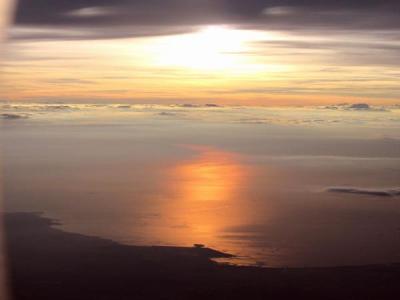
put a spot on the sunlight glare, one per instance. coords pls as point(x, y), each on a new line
point(211, 49)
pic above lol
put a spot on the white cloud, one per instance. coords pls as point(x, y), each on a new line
point(94, 11)
point(278, 11)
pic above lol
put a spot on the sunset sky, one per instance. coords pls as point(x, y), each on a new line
point(266, 129)
point(263, 52)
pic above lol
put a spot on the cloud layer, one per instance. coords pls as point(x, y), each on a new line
point(262, 14)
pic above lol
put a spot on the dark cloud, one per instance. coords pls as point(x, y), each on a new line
point(117, 12)
point(360, 106)
point(13, 116)
point(272, 13)
point(363, 191)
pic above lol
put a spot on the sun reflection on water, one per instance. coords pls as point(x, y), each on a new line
point(205, 196)
point(212, 176)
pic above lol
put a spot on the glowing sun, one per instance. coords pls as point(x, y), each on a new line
point(211, 48)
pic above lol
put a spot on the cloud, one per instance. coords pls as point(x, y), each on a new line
point(92, 12)
point(104, 12)
point(387, 192)
point(345, 34)
point(362, 107)
point(68, 81)
point(168, 114)
point(350, 48)
point(278, 11)
point(67, 33)
point(9, 116)
point(188, 105)
point(56, 107)
point(24, 110)
point(262, 14)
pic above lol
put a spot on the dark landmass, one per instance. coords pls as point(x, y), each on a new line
point(47, 263)
point(393, 192)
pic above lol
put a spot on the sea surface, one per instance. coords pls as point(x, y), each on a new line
point(293, 186)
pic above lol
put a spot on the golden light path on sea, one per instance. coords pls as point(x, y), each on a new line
point(204, 197)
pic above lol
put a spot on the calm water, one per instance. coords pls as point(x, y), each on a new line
point(256, 182)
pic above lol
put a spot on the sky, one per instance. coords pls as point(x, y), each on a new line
point(253, 52)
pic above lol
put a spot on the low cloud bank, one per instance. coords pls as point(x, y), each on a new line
point(389, 192)
point(167, 114)
point(357, 107)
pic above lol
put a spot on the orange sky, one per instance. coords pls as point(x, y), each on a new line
point(212, 64)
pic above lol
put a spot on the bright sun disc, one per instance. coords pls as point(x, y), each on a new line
point(212, 48)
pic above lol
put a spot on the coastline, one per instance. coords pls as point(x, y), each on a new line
point(48, 263)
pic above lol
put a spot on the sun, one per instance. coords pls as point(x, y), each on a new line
point(210, 48)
